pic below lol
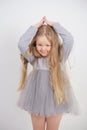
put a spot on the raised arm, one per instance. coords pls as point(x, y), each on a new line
point(24, 41)
point(26, 38)
point(66, 37)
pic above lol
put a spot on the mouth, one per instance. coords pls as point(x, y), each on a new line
point(44, 52)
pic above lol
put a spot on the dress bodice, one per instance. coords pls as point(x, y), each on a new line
point(41, 63)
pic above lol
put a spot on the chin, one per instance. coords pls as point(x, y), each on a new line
point(44, 55)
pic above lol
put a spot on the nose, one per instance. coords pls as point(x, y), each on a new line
point(43, 48)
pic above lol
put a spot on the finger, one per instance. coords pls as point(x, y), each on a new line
point(46, 21)
point(41, 20)
point(44, 17)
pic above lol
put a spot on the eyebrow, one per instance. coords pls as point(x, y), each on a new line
point(43, 44)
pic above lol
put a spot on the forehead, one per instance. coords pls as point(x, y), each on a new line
point(42, 40)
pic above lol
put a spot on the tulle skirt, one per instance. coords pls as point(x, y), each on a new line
point(37, 96)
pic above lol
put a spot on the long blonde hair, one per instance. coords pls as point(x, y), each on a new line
point(55, 58)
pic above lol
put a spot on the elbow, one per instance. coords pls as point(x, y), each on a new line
point(20, 44)
point(71, 40)
point(68, 46)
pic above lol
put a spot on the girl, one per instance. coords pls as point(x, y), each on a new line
point(46, 93)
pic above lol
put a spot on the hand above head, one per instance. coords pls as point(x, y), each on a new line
point(39, 24)
point(50, 23)
point(44, 21)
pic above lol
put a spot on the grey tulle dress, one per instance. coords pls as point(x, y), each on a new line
point(37, 96)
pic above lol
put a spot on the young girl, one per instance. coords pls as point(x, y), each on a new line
point(46, 93)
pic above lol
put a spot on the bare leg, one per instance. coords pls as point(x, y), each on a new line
point(38, 122)
point(53, 122)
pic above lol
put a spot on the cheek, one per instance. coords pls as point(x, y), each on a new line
point(49, 49)
point(38, 48)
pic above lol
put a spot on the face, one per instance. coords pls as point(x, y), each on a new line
point(43, 46)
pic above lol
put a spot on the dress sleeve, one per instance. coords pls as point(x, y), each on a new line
point(24, 41)
point(67, 39)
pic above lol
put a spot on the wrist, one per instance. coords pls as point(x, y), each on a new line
point(36, 25)
point(50, 23)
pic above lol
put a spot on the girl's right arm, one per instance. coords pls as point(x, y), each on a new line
point(24, 41)
point(26, 38)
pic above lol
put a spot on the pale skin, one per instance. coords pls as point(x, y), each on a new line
point(41, 122)
point(43, 45)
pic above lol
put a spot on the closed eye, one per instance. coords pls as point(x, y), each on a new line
point(48, 45)
point(43, 45)
point(39, 45)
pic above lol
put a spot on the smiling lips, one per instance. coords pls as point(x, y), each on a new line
point(43, 45)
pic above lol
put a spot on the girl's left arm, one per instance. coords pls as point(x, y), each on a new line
point(66, 37)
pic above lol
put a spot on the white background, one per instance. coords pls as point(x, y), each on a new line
point(15, 17)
